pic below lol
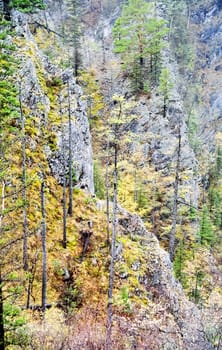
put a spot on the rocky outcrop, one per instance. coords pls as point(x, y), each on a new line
point(207, 26)
point(170, 320)
point(43, 84)
point(81, 142)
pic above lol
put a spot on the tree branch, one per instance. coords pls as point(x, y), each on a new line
point(46, 28)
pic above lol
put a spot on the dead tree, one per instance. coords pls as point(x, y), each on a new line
point(2, 329)
point(107, 194)
point(44, 252)
point(116, 134)
point(70, 207)
point(64, 238)
point(175, 199)
point(24, 184)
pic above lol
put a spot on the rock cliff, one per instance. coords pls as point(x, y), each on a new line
point(206, 19)
point(40, 80)
point(169, 321)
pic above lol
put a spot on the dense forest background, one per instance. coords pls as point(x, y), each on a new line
point(110, 174)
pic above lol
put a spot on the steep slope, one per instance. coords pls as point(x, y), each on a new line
point(151, 310)
point(41, 92)
point(206, 20)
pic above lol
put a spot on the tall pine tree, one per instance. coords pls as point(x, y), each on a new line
point(138, 38)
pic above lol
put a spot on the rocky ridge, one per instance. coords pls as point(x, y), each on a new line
point(170, 321)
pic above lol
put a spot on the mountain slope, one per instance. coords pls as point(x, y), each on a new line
point(151, 308)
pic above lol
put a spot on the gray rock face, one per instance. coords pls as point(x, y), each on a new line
point(207, 17)
point(36, 75)
point(80, 145)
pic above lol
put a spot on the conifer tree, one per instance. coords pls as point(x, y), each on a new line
point(206, 232)
point(165, 88)
point(73, 33)
point(219, 162)
point(179, 36)
point(6, 9)
point(8, 110)
point(27, 5)
point(10, 244)
point(138, 38)
point(11, 281)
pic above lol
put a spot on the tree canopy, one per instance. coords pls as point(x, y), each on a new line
point(27, 5)
point(138, 38)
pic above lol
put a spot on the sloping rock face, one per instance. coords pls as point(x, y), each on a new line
point(207, 24)
point(40, 82)
point(81, 150)
point(169, 321)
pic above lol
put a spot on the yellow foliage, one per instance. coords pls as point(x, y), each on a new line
point(92, 95)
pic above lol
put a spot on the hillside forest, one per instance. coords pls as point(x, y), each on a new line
point(110, 175)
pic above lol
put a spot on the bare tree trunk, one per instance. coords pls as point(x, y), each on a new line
point(107, 195)
point(164, 107)
point(113, 250)
point(64, 239)
point(24, 197)
point(170, 27)
point(44, 253)
point(62, 20)
point(135, 192)
point(2, 330)
point(141, 70)
point(175, 201)
point(76, 60)
point(103, 50)
point(31, 279)
point(70, 208)
point(2, 205)
point(188, 16)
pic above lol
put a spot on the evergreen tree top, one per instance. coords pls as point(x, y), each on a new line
point(27, 5)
